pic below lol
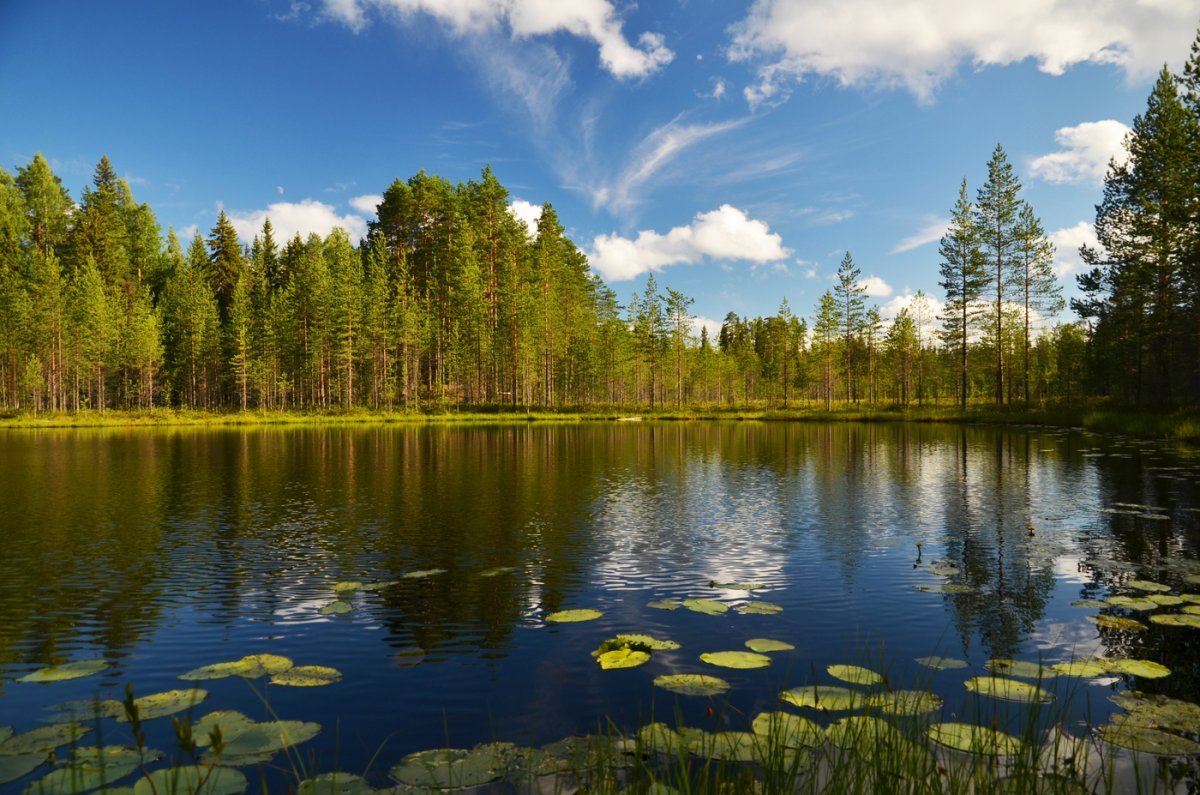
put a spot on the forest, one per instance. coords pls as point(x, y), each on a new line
point(450, 300)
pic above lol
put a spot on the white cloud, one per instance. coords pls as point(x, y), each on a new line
point(726, 233)
point(930, 321)
point(292, 218)
point(918, 44)
point(809, 268)
point(186, 234)
point(594, 20)
point(930, 233)
point(527, 212)
point(279, 189)
point(713, 326)
point(367, 204)
point(1066, 247)
point(1087, 148)
point(875, 287)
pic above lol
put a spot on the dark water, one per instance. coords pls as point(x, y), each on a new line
point(165, 550)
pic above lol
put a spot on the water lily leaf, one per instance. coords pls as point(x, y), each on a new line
point(347, 587)
point(787, 730)
point(1193, 579)
point(862, 730)
point(307, 676)
point(448, 768)
point(90, 768)
point(1192, 610)
point(728, 746)
point(574, 616)
point(259, 740)
point(71, 670)
point(905, 702)
point(15, 767)
point(334, 784)
point(251, 666)
point(825, 697)
point(1165, 600)
point(43, 739)
point(231, 723)
point(408, 657)
point(660, 737)
point(1149, 741)
point(1117, 622)
point(759, 609)
point(854, 674)
point(337, 608)
point(942, 663)
point(763, 645)
point(1159, 712)
point(692, 684)
point(1008, 689)
point(942, 568)
point(159, 705)
point(422, 574)
point(736, 659)
point(1177, 620)
point(947, 587)
point(665, 604)
point(637, 642)
point(1142, 668)
point(5, 733)
point(622, 658)
point(1085, 669)
point(85, 709)
point(1021, 669)
point(1147, 585)
point(1132, 602)
point(193, 779)
point(381, 585)
point(736, 586)
point(1091, 604)
point(496, 571)
point(974, 739)
point(706, 606)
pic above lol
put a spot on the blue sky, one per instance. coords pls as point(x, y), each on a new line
point(738, 149)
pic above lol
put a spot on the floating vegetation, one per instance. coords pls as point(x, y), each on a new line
point(1192, 579)
point(1147, 585)
point(1129, 735)
point(573, 616)
point(1193, 598)
point(974, 739)
point(622, 658)
point(665, 604)
point(787, 730)
point(42, 739)
point(760, 609)
point(496, 571)
point(347, 587)
point(449, 768)
point(88, 709)
point(1084, 669)
point(635, 641)
point(92, 767)
point(946, 588)
point(1192, 610)
point(736, 586)
point(1165, 600)
point(71, 670)
point(252, 666)
point(825, 697)
point(199, 779)
point(307, 676)
point(905, 702)
point(1008, 690)
point(692, 684)
point(379, 586)
point(943, 568)
point(1117, 622)
point(736, 659)
point(1158, 712)
point(422, 574)
point(256, 743)
point(334, 784)
point(854, 674)
point(857, 731)
point(1021, 669)
point(337, 608)
point(159, 705)
point(1090, 604)
point(708, 607)
point(1145, 669)
point(1132, 602)
point(1177, 620)
point(942, 663)
point(230, 722)
point(15, 767)
point(764, 645)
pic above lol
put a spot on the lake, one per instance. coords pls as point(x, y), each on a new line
point(161, 551)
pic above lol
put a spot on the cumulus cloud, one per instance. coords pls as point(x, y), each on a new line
point(187, 233)
point(527, 212)
point(594, 20)
point(918, 44)
point(1066, 247)
point(1087, 149)
point(875, 287)
point(927, 316)
point(297, 218)
point(726, 233)
point(367, 204)
point(930, 233)
point(713, 326)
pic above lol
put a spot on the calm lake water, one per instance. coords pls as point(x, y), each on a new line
point(165, 550)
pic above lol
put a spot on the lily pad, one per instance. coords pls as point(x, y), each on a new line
point(496, 571)
point(337, 608)
point(665, 604)
point(307, 676)
point(1085, 669)
point(1022, 669)
point(1177, 620)
point(1193, 610)
point(946, 588)
point(974, 739)
point(622, 658)
point(573, 616)
point(231, 723)
point(193, 779)
point(252, 666)
point(736, 659)
point(1132, 602)
point(1149, 741)
point(759, 609)
point(1193, 579)
point(159, 705)
point(263, 740)
point(708, 607)
point(347, 587)
point(85, 709)
point(381, 585)
point(1144, 669)
point(1090, 604)
point(448, 768)
point(787, 730)
point(1147, 585)
point(636, 642)
point(1008, 690)
point(854, 674)
point(334, 784)
point(1159, 712)
point(92, 767)
point(692, 684)
point(942, 663)
point(422, 574)
point(1117, 622)
point(408, 657)
point(763, 645)
point(727, 746)
point(43, 739)
point(660, 737)
point(736, 586)
point(1165, 600)
point(19, 766)
point(905, 702)
point(824, 697)
point(943, 569)
point(863, 731)
point(61, 673)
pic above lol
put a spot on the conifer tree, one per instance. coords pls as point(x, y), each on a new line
point(997, 206)
point(850, 305)
point(1036, 283)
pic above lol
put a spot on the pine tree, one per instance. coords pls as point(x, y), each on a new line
point(825, 333)
point(997, 206)
point(964, 279)
point(851, 305)
point(46, 202)
point(1036, 283)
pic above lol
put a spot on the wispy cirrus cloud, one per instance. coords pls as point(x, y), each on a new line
point(931, 232)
